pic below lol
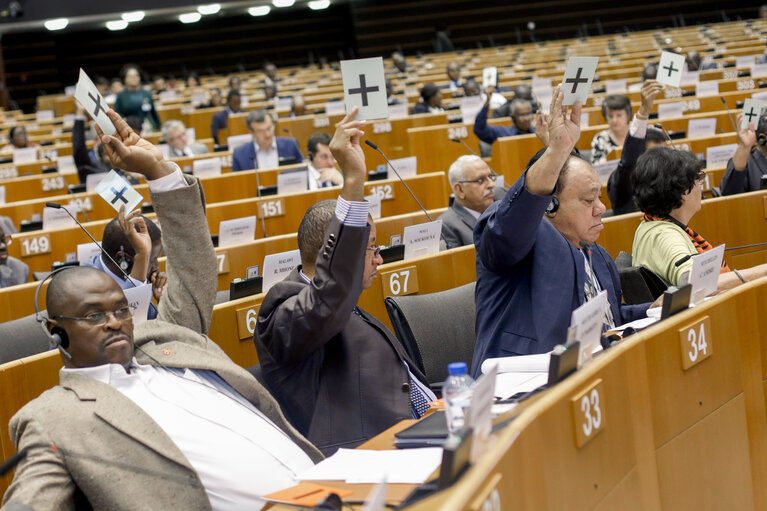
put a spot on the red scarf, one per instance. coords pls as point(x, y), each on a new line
point(701, 245)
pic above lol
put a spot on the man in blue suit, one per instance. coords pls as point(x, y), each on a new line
point(266, 151)
point(531, 270)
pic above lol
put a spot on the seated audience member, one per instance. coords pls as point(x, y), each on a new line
point(192, 80)
point(616, 111)
point(270, 91)
point(298, 107)
point(454, 76)
point(158, 408)
point(521, 112)
point(667, 189)
point(693, 61)
point(218, 122)
point(390, 98)
point(471, 88)
point(134, 100)
point(431, 100)
point(473, 185)
point(339, 374)
point(532, 271)
point(619, 183)
point(17, 136)
point(322, 165)
point(749, 163)
point(174, 134)
point(234, 83)
point(115, 86)
point(399, 64)
point(102, 85)
point(120, 240)
point(270, 74)
point(12, 271)
point(266, 151)
point(214, 98)
point(521, 91)
point(158, 84)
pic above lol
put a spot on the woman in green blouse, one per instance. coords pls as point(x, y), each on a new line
point(133, 100)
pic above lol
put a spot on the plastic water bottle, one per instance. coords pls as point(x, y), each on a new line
point(457, 393)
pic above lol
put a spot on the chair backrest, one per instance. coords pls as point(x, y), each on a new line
point(21, 338)
point(436, 328)
point(639, 284)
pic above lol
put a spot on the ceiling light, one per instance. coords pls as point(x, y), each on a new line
point(316, 5)
point(117, 25)
point(56, 24)
point(261, 10)
point(283, 3)
point(209, 9)
point(190, 17)
point(133, 16)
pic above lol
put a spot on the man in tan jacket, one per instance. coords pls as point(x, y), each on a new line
point(156, 417)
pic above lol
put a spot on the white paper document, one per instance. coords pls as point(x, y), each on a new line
point(538, 363)
point(408, 466)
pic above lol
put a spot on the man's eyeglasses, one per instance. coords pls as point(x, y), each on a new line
point(701, 177)
point(6, 240)
point(479, 181)
point(100, 318)
point(376, 250)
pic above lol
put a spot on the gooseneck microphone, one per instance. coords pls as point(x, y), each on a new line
point(258, 194)
point(732, 121)
point(660, 127)
point(56, 205)
point(468, 148)
point(371, 144)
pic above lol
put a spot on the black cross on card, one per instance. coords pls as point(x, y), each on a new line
point(365, 88)
point(752, 110)
point(576, 84)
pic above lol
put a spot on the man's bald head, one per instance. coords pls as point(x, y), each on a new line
point(311, 231)
point(63, 288)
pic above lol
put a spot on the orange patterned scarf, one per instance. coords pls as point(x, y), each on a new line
point(701, 245)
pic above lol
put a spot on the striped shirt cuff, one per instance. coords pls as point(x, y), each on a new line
point(352, 213)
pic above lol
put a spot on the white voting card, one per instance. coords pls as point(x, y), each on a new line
point(704, 276)
point(670, 69)
point(277, 267)
point(422, 239)
point(579, 74)
point(587, 321)
point(489, 77)
point(292, 182)
point(698, 128)
point(236, 230)
point(365, 87)
point(752, 109)
point(139, 298)
point(88, 96)
point(116, 191)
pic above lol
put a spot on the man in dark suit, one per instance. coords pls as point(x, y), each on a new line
point(338, 373)
point(473, 184)
point(266, 151)
point(218, 122)
point(532, 272)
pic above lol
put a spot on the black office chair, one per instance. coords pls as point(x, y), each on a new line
point(436, 329)
point(639, 284)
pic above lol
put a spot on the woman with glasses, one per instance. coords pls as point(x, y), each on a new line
point(667, 188)
point(12, 271)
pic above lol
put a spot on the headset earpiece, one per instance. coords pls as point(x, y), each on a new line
point(762, 139)
point(59, 337)
point(552, 207)
point(123, 264)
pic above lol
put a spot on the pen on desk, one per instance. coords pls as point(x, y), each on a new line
point(307, 494)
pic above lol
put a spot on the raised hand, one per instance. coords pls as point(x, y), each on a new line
point(128, 151)
point(564, 131)
point(135, 230)
point(542, 127)
point(650, 89)
point(347, 151)
point(746, 137)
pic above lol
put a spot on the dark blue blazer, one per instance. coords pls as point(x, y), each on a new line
point(244, 156)
point(218, 123)
point(530, 279)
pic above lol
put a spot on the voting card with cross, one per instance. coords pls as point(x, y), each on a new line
point(365, 87)
point(579, 74)
point(96, 106)
point(752, 109)
point(116, 191)
point(670, 69)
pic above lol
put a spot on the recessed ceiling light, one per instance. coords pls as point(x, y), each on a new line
point(190, 17)
point(209, 9)
point(117, 25)
point(56, 24)
point(261, 10)
point(283, 3)
point(316, 5)
point(133, 16)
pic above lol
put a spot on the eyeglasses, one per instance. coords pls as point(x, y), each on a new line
point(100, 318)
point(6, 240)
point(479, 181)
point(701, 177)
point(376, 250)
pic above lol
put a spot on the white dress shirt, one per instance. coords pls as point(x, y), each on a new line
point(268, 159)
point(238, 453)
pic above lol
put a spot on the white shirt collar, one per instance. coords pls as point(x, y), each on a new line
point(102, 373)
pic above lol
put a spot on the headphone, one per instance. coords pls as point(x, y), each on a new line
point(552, 207)
point(57, 336)
point(761, 139)
point(123, 263)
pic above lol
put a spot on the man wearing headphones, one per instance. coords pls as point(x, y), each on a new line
point(156, 416)
point(749, 163)
point(532, 272)
point(322, 165)
point(140, 263)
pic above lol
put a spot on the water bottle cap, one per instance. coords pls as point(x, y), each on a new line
point(457, 368)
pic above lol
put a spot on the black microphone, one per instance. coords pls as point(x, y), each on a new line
point(287, 132)
point(732, 121)
point(685, 259)
point(56, 205)
point(371, 144)
point(459, 141)
point(14, 460)
point(660, 127)
point(258, 194)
